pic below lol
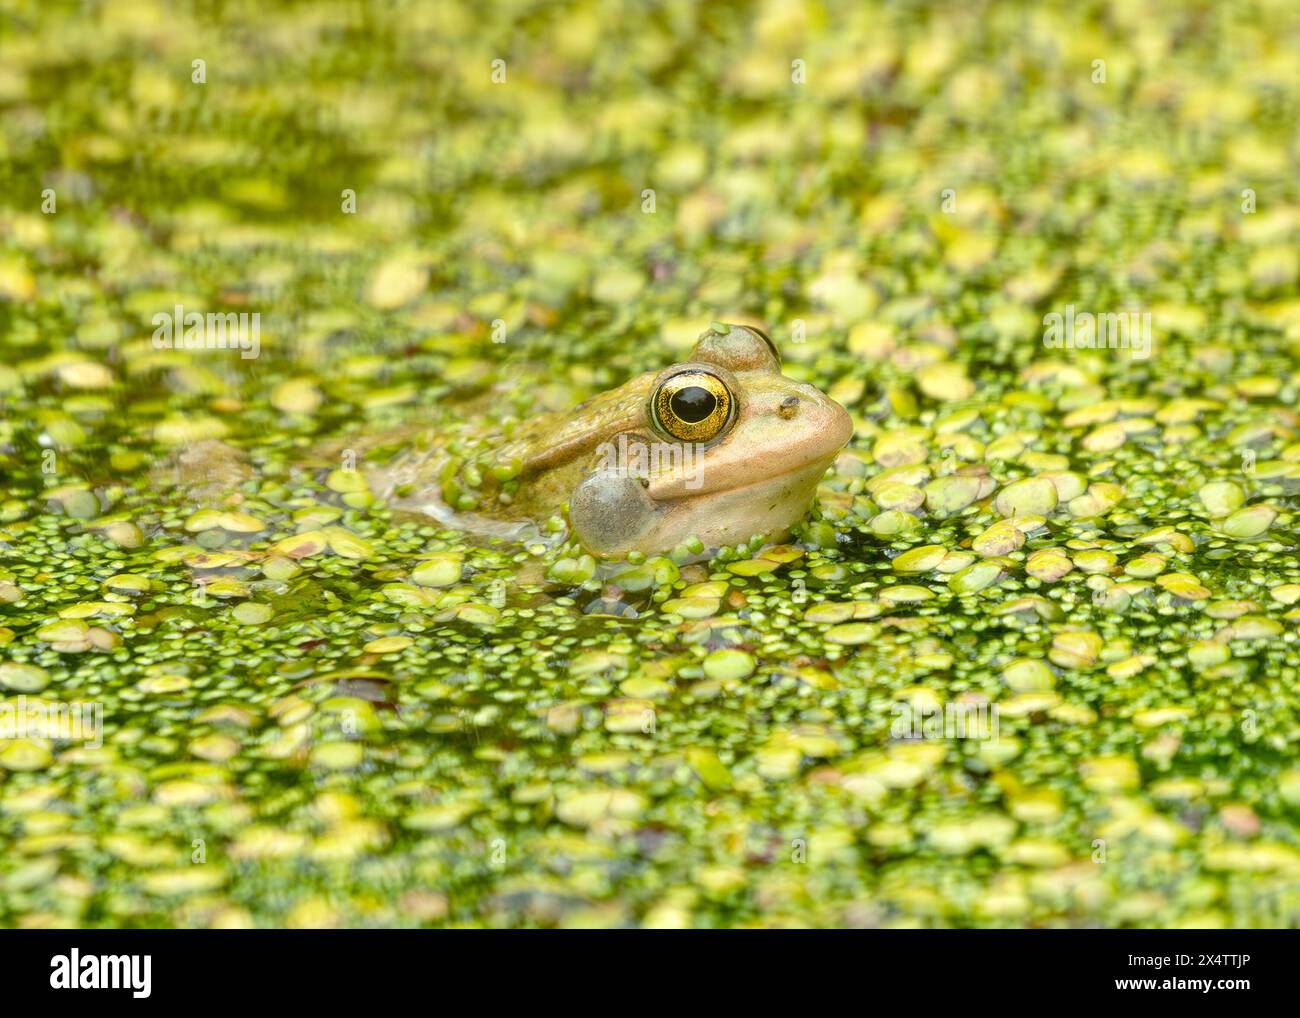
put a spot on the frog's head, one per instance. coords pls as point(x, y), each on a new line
point(724, 447)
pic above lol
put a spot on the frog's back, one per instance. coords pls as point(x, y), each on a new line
point(524, 470)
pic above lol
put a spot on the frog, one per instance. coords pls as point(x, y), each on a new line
point(712, 450)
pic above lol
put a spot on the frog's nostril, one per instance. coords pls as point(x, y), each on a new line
point(788, 408)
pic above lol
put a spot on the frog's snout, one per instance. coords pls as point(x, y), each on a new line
point(818, 414)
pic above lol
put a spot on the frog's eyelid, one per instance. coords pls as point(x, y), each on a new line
point(766, 339)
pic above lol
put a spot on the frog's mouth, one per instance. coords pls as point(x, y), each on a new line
point(692, 488)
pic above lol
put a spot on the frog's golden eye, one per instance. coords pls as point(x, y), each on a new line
point(693, 406)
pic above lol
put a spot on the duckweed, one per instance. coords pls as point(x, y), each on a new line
point(1032, 659)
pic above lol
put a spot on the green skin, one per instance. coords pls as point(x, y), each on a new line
point(758, 477)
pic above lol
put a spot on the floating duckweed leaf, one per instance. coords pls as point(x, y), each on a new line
point(1222, 498)
point(346, 481)
point(240, 523)
point(215, 747)
point(86, 375)
point(186, 881)
point(128, 583)
point(164, 684)
point(693, 607)
point(1068, 484)
point(750, 567)
point(1026, 675)
point(1033, 496)
point(297, 396)
point(920, 560)
point(947, 495)
point(1028, 704)
point(851, 634)
point(347, 544)
point(1048, 564)
point(1099, 499)
point(1157, 716)
point(782, 553)
point(225, 587)
point(388, 645)
point(261, 841)
point(397, 282)
point(945, 381)
point(1251, 627)
point(1130, 666)
point(442, 570)
point(250, 613)
point(215, 559)
point(189, 430)
point(629, 716)
point(989, 830)
point(337, 756)
point(304, 545)
point(728, 664)
point(906, 594)
point(477, 614)
point(1251, 522)
point(1184, 586)
point(1207, 653)
point(1094, 560)
point(92, 609)
point(23, 678)
point(1075, 649)
point(828, 612)
point(645, 687)
point(999, 539)
point(64, 631)
point(25, 755)
point(587, 808)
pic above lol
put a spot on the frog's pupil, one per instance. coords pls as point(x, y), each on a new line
point(693, 403)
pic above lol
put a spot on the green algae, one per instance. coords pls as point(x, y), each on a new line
point(317, 711)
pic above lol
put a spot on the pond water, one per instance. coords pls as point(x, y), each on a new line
point(1032, 659)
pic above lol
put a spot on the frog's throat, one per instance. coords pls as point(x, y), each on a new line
point(611, 513)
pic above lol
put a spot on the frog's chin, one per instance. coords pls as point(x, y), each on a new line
point(768, 505)
point(765, 506)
